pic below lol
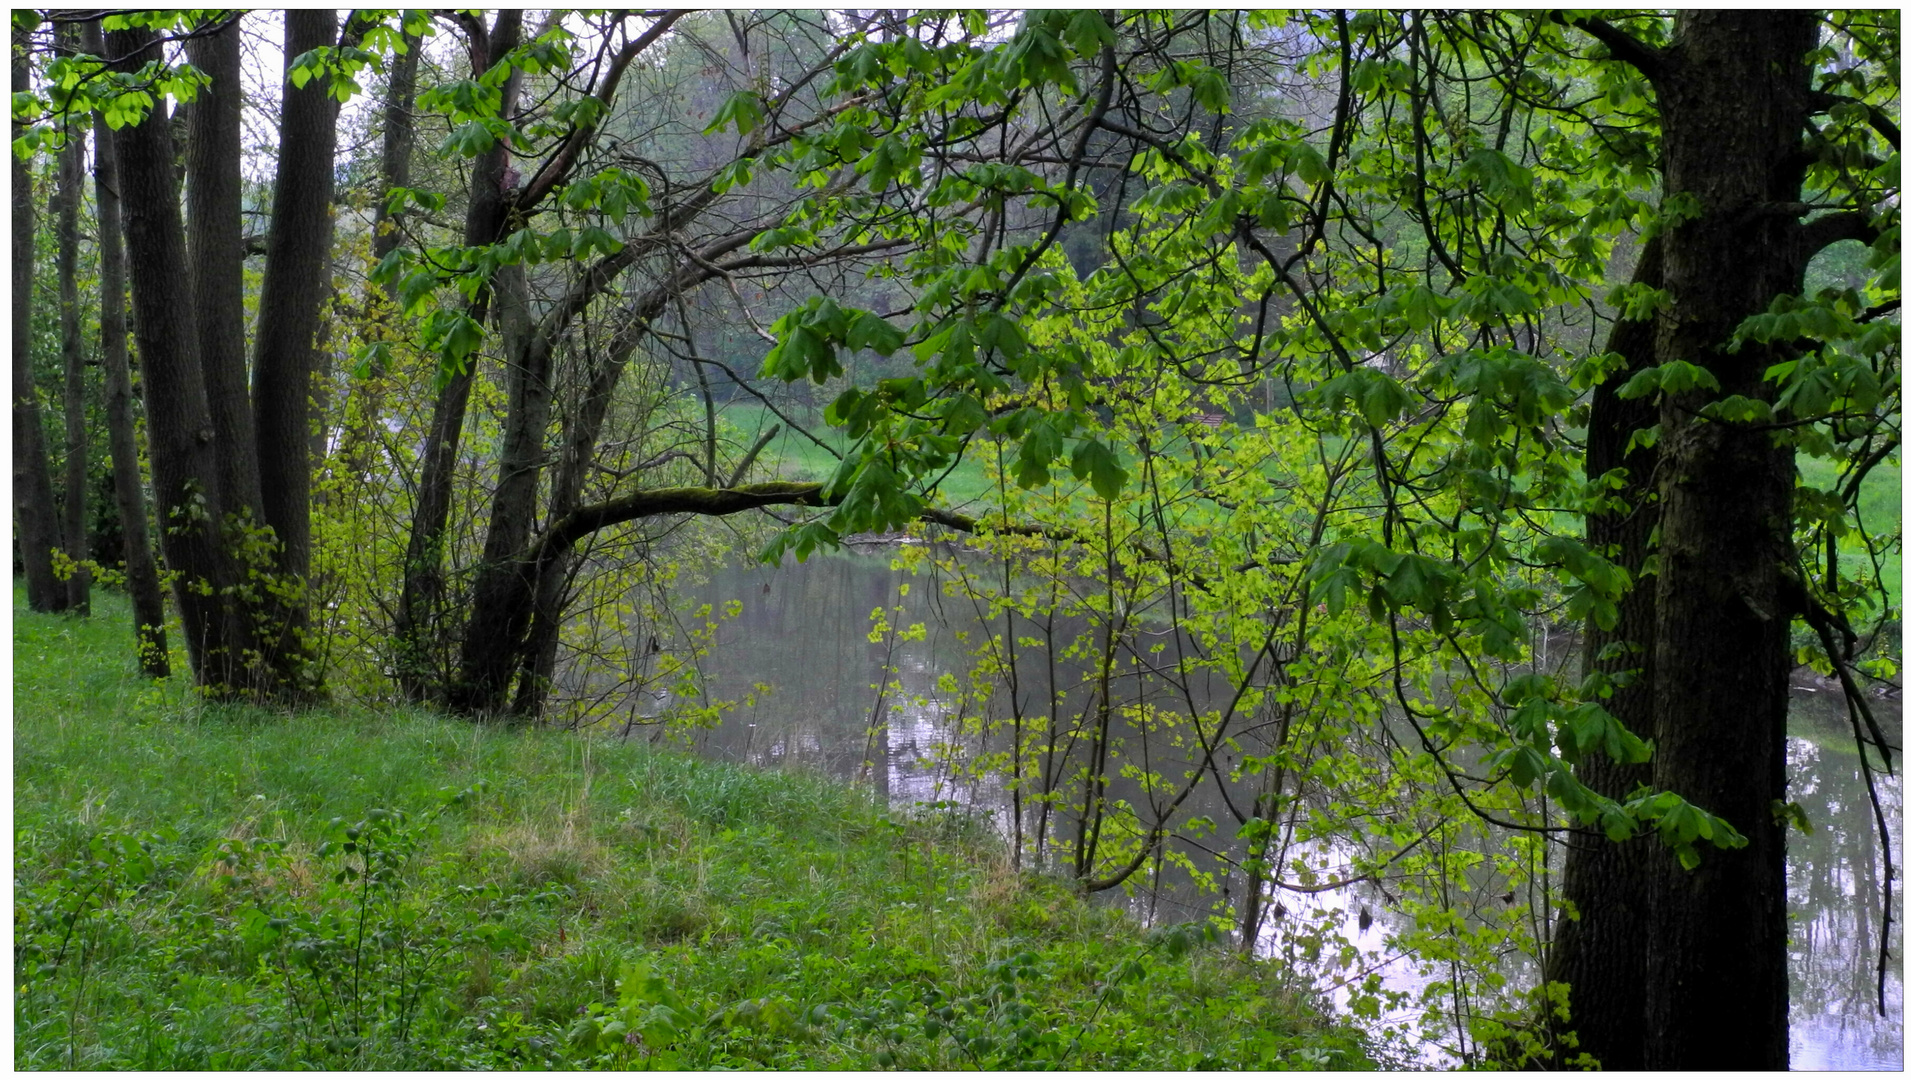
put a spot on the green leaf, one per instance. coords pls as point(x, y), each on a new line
point(1101, 466)
point(742, 110)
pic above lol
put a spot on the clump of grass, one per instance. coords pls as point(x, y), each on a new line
point(232, 888)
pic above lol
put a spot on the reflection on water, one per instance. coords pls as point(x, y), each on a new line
point(1834, 897)
point(804, 630)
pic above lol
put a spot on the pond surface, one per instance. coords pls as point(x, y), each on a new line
point(804, 630)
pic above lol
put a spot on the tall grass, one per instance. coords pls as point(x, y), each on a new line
point(218, 887)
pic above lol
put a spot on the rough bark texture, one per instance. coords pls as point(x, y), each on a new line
point(216, 247)
point(297, 251)
point(142, 575)
point(35, 521)
point(419, 631)
point(1602, 953)
point(79, 587)
point(179, 421)
point(1733, 106)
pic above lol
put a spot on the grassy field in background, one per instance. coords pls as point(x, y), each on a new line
point(221, 887)
point(1880, 501)
point(969, 489)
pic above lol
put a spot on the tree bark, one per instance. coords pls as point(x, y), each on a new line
point(298, 249)
point(502, 594)
point(419, 631)
point(216, 247)
point(179, 420)
point(1601, 954)
point(79, 592)
point(35, 519)
point(142, 575)
point(1733, 108)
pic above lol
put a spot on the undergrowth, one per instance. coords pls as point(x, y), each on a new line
point(203, 887)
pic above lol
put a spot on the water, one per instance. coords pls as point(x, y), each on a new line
point(804, 631)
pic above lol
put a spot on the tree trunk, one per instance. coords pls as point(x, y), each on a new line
point(79, 592)
point(179, 420)
point(1733, 107)
point(216, 246)
point(419, 630)
point(401, 92)
point(1601, 954)
point(35, 518)
point(142, 576)
point(297, 251)
point(502, 595)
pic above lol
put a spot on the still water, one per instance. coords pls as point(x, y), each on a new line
point(804, 631)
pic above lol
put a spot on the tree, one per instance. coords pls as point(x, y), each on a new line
point(33, 510)
point(298, 257)
point(1487, 191)
point(142, 575)
point(72, 354)
point(474, 655)
point(240, 582)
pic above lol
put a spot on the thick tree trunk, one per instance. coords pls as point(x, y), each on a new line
point(297, 251)
point(1601, 954)
point(36, 522)
point(216, 246)
point(179, 421)
point(142, 576)
point(419, 632)
point(1733, 108)
point(79, 591)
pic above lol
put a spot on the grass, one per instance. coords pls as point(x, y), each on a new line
point(793, 457)
point(217, 887)
point(1880, 502)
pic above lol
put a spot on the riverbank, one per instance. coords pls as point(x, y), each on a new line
point(210, 887)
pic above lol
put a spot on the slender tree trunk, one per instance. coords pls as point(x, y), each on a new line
point(179, 420)
point(394, 160)
point(419, 630)
point(1732, 110)
point(35, 519)
point(1601, 953)
point(502, 595)
point(142, 576)
point(79, 590)
point(216, 248)
point(401, 92)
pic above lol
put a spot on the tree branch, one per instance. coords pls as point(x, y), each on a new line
point(1823, 100)
point(558, 166)
point(1623, 46)
point(1820, 233)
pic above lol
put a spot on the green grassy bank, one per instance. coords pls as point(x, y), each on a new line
point(201, 887)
